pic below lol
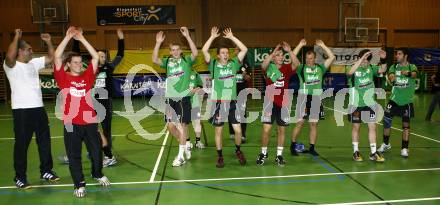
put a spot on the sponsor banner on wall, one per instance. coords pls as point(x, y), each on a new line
point(139, 86)
point(424, 56)
point(136, 15)
point(256, 56)
point(345, 56)
point(48, 85)
point(148, 85)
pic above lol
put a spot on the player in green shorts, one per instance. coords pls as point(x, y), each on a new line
point(224, 92)
point(362, 107)
point(310, 75)
point(402, 75)
point(178, 105)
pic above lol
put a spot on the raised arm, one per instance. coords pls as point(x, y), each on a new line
point(95, 58)
point(295, 61)
point(243, 49)
point(11, 55)
point(268, 58)
point(192, 46)
point(121, 48)
point(295, 52)
point(48, 59)
point(58, 56)
point(358, 63)
point(383, 65)
point(205, 49)
point(160, 37)
point(328, 52)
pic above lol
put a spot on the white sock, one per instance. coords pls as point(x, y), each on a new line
point(181, 150)
point(373, 148)
point(280, 151)
point(264, 150)
point(355, 147)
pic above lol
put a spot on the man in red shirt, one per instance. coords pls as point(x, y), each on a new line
point(276, 100)
point(79, 116)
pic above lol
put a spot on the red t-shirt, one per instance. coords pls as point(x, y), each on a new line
point(281, 84)
point(78, 105)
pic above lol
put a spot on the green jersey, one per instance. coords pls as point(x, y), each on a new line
point(178, 75)
point(273, 73)
point(224, 85)
point(404, 86)
point(310, 78)
point(362, 85)
point(195, 81)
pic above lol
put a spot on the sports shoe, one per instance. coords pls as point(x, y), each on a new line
point(106, 162)
point(293, 151)
point(357, 157)
point(404, 152)
point(103, 181)
point(240, 157)
point(21, 183)
point(313, 152)
point(80, 192)
point(200, 145)
point(260, 159)
point(49, 176)
point(220, 163)
point(231, 137)
point(384, 148)
point(177, 162)
point(63, 159)
point(279, 160)
point(243, 140)
point(377, 156)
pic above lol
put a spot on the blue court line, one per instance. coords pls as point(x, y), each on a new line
point(327, 167)
point(188, 186)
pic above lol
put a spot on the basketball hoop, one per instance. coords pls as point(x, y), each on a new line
point(361, 30)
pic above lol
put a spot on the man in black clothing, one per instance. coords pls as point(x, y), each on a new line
point(436, 98)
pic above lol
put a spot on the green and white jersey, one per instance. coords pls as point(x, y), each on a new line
point(195, 81)
point(178, 75)
point(311, 78)
point(404, 86)
point(273, 73)
point(224, 85)
point(362, 85)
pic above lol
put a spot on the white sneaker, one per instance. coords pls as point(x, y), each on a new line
point(384, 148)
point(178, 162)
point(80, 192)
point(200, 145)
point(103, 181)
point(404, 152)
point(231, 137)
point(106, 162)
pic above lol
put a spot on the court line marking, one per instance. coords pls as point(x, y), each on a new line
point(415, 134)
point(58, 137)
point(387, 201)
point(241, 178)
point(159, 157)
